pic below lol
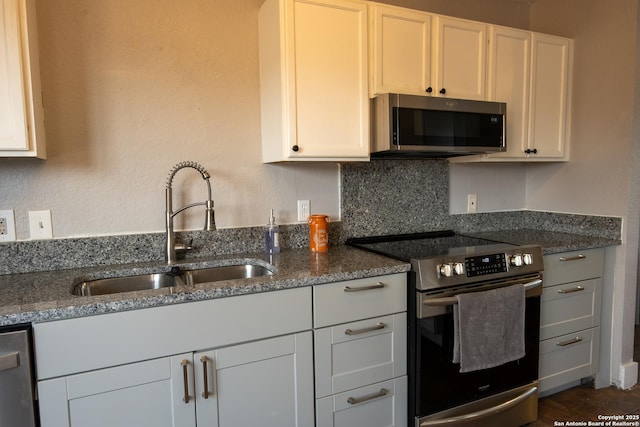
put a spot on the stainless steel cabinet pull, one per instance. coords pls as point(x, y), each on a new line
point(9, 361)
point(568, 291)
point(356, 400)
point(378, 285)
point(573, 258)
point(569, 342)
point(380, 325)
point(185, 378)
point(205, 374)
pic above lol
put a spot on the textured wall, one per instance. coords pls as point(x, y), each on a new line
point(133, 87)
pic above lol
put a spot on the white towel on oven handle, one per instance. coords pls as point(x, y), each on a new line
point(489, 328)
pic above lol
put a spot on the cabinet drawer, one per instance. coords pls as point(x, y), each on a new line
point(573, 266)
point(568, 358)
point(570, 307)
point(355, 354)
point(382, 404)
point(352, 300)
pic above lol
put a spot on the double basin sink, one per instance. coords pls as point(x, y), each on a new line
point(173, 278)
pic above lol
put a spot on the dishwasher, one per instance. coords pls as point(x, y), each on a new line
point(17, 387)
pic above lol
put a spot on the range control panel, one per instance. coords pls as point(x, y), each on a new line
point(484, 264)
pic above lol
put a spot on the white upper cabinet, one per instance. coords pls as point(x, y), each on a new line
point(314, 80)
point(509, 68)
point(460, 55)
point(550, 96)
point(531, 72)
point(400, 51)
point(419, 53)
point(21, 113)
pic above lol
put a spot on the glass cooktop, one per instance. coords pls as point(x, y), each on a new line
point(407, 247)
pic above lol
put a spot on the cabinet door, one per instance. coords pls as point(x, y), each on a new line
point(460, 58)
point(356, 354)
point(13, 135)
point(21, 114)
point(265, 383)
point(550, 95)
point(330, 108)
point(141, 394)
point(570, 307)
point(568, 358)
point(401, 51)
point(508, 81)
point(378, 405)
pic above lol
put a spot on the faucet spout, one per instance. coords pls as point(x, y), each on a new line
point(210, 223)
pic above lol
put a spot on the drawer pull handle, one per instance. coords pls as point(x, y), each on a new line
point(378, 285)
point(356, 400)
point(185, 379)
point(569, 342)
point(205, 374)
point(573, 258)
point(380, 325)
point(568, 291)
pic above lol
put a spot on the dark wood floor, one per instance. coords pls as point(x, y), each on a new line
point(584, 403)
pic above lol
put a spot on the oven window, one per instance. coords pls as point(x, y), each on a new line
point(440, 385)
point(414, 126)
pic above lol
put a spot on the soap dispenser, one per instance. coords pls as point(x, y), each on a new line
point(272, 236)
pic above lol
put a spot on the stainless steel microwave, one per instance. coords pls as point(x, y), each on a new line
point(425, 126)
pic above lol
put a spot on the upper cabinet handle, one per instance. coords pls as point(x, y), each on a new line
point(378, 285)
point(443, 91)
point(530, 151)
point(295, 148)
point(429, 89)
point(573, 258)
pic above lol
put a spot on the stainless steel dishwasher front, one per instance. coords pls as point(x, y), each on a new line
point(17, 405)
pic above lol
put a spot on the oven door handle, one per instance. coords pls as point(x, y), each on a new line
point(439, 302)
point(467, 418)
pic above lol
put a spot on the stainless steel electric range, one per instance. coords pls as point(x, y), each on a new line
point(444, 266)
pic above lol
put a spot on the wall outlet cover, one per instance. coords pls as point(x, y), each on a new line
point(7, 226)
point(304, 210)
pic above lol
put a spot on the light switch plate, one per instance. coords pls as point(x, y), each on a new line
point(7, 226)
point(40, 225)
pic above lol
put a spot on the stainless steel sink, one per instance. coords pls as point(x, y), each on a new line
point(229, 272)
point(161, 280)
point(124, 284)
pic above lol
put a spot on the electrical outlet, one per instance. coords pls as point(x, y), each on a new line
point(7, 226)
point(472, 203)
point(304, 210)
point(40, 225)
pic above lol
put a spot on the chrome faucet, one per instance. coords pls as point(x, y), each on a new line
point(210, 223)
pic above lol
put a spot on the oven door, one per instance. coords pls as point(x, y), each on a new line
point(439, 386)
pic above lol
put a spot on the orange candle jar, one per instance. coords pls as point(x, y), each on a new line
point(318, 233)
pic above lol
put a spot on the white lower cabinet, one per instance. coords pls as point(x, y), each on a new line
point(140, 394)
point(570, 309)
point(377, 405)
point(273, 378)
point(360, 352)
point(145, 368)
point(265, 383)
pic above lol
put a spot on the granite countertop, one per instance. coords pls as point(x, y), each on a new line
point(44, 296)
point(552, 242)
